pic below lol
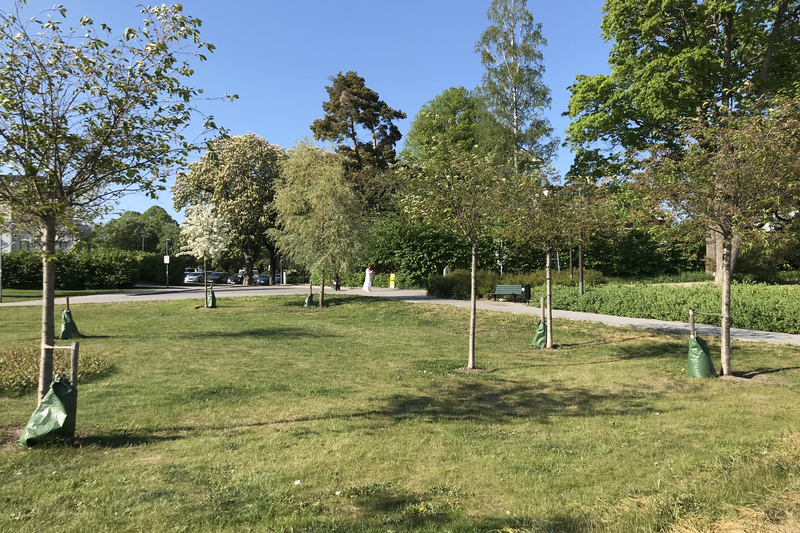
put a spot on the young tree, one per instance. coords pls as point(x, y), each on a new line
point(320, 215)
point(238, 175)
point(87, 117)
point(458, 190)
point(515, 95)
point(205, 235)
point(542, 214)
point(732, 178)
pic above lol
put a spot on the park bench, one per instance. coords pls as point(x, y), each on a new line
point(507, 290)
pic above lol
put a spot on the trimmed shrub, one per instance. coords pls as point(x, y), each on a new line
point(757, 307)
point(456, 285)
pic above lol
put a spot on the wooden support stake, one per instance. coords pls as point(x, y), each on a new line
point(691, 323)
point(541, 308)
point(73, 364)
point(67, 303)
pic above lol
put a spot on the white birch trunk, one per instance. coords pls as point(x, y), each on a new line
point(472, 307)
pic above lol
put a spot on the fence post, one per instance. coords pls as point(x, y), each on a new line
point(691, 323)
point(73, 363)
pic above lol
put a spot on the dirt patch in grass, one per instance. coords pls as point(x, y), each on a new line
point(10, 435)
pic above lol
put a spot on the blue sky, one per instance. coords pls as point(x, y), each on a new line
point(277, 56)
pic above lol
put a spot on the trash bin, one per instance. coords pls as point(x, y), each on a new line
point(526, 292)
point(54, 418)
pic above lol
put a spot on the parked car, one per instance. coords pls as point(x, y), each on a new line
point(193, 277)
point(235, 279)
point(218, 277)
point(263, 279)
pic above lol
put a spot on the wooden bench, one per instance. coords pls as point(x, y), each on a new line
point(507, 290)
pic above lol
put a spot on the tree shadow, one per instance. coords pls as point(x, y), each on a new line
point(122, 440)
point(261, 333)
point(750, 374)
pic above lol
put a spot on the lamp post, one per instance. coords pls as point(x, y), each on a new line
point(166, 260)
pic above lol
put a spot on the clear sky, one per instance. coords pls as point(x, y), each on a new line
point(278, 55)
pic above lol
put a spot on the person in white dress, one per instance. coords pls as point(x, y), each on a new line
point(368, 273)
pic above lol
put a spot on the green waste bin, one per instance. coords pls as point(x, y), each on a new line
point(309, 300)
point(54, 418)
point(699, 363)
point(540, 337)
point(68, 327)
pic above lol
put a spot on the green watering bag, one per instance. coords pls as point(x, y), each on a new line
point(699, 363)
point(68, 327)
point(309, 300)
point(211, 299)
point(540, 337)
point(54, 418)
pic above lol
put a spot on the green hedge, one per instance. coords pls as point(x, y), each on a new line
point(757, 307)
point(402, 280)
point(457, 286)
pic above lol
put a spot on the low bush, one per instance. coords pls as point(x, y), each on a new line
point(757, 307)
point(19, 368)
point(75, 270)
point(456, 285)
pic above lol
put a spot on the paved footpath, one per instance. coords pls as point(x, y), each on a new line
point(415, 296)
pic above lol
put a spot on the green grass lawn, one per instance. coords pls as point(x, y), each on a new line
point(211, 417)
point(24, 295)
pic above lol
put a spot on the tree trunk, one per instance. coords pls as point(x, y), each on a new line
point(205, 281)
point(711, 253)
point(322, 290)
point(48, 305)
point(719, 246)
point(248, 270)
point(549, 288)
point(571, 270)
point(273, 261)
point(580, 263)
point(473, 306)
point(725, 355)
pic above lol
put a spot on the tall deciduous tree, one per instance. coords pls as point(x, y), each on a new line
point(457, 190)
point(238, 175)
point(675, 60)
point(352, 110)
point(513, 89)
point(206, 235)
point(133, 231)
point(733, 177)
point(87, 117)
point(321, 216)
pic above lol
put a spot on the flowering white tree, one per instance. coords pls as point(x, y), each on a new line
point(204, 235)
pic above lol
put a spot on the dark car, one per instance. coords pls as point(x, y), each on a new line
point(218, 277)
point(193, 277)
point(263, 279)
point(235, 279)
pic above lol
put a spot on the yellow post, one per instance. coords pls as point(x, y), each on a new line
point(391, 280)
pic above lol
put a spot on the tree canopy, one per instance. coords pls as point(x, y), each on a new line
point(238, 175)
point(88, 115)
point(512, 87)
point(133, 231)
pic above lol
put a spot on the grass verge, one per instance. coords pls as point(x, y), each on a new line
point(211, 417)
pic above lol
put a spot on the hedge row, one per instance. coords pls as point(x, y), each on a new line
point(102, 268)
point(756, 307)
point(457, 286)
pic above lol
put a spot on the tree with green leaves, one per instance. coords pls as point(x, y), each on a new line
point(352, 110)
point(88, 116)
point(455, 114)
point(133, 231)
point(206, 235)
point(542, 214)
point(319, 213)
point(673, 61)
point(512, 88)
point(458, 190)
point(732, 177)
point(238, 175)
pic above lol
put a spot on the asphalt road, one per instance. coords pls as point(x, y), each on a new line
point(418, 296)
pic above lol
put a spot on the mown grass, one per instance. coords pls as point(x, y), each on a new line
point(211, 416)
point(24, 295)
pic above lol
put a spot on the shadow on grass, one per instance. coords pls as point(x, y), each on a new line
point(123, 441)
point(749, 374)
point(262, 333)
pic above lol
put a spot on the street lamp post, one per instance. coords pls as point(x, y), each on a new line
point(166, 260)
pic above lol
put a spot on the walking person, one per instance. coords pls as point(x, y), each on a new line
point(368, 273)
